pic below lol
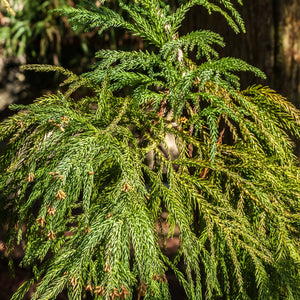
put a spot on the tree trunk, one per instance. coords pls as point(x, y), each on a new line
point(287, 48)
point(272, 41)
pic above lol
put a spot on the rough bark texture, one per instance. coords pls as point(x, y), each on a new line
point(287, 48)
point(272, 41)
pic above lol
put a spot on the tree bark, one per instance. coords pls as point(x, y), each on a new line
point(287, 48)
point(271, 43)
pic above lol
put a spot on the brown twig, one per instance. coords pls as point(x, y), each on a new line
point(160, 112)
point(220, 139)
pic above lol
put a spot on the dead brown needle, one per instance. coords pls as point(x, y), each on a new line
point(41, 221)
point(108, 216)
point(86, 230)
point(65, 119)
point(142, 290)
point(124, 292)
point(163, 278)
point(126, 187)
point(51, 210)
point(106, 268)
point(60, 195)
point(51, 235)
point(99, 290)
point(30, 177)
point(114, 294)
point(73, 281)
point(155, 277)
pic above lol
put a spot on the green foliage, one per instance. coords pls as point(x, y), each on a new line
point(30, 24)
point(32, 29)
point(76, 171)
point(8, 7)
